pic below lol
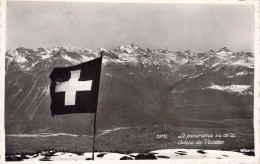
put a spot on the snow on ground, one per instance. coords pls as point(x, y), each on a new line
point(157, 154)
point(106, 131)
point(109, 74)
point(98, 156)
point(224, 53)
point(65, 156)
point(197, 154)
point(241, 73)
point(46, 56)
point(127, 48)
point(231, 88)
point(127, 58)
point(112, 130)
point(21, 59)
point(246, 62)
point(42, 135)
point(86, 58)
point(68, 58)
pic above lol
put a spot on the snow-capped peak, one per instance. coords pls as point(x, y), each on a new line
point(88, 50)
point(224, 49)
point(130, 55)
point(127, 48)
point(211, 51)
point(102, 49)
point(134, 45)
point(224, 52)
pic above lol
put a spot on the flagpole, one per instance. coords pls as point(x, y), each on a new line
point(94, 136)
point(95, 117)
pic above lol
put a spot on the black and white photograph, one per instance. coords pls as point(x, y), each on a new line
point(130, 81)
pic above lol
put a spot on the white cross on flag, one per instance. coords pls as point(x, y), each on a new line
point(75, 89)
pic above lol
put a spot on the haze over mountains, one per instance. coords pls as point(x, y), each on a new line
point(139, 88)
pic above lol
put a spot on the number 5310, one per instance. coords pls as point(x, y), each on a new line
point(161, 136)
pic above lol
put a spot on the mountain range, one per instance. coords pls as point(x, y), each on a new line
point(139, 87)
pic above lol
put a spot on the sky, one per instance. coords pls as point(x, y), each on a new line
point(194, 27)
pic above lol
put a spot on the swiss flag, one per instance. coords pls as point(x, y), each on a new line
point(75, 89)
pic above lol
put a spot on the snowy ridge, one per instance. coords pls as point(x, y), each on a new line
point(129, 55)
